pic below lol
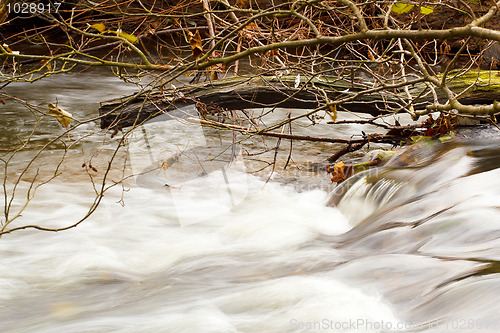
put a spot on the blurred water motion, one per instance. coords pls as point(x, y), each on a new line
point(399, 249)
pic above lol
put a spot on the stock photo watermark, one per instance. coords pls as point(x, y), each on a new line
point(174, 156)
point(364, 325)
point(194, 169)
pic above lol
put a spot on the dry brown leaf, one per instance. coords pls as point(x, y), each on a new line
point(195, 42)
point(62, 116)
point(338, 172)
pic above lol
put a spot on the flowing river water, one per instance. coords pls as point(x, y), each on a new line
point(192, 243)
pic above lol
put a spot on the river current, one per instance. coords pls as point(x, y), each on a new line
point(195, 241)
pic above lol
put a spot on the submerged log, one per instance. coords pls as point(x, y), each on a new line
point(292, 92)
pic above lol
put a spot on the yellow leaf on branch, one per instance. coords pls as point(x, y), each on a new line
point(62, 116)
point(129, 37)
point(102, 29)
point(426, 10)
point(401, 7)
point(99, 27)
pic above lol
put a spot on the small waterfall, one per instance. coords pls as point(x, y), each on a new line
point(428, 236)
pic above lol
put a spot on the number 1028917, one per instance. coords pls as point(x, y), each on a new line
point(33, 8)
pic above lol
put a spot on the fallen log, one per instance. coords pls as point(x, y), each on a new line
point(292, 91)
point(232, 94)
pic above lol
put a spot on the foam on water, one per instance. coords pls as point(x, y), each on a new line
point(137, 269)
